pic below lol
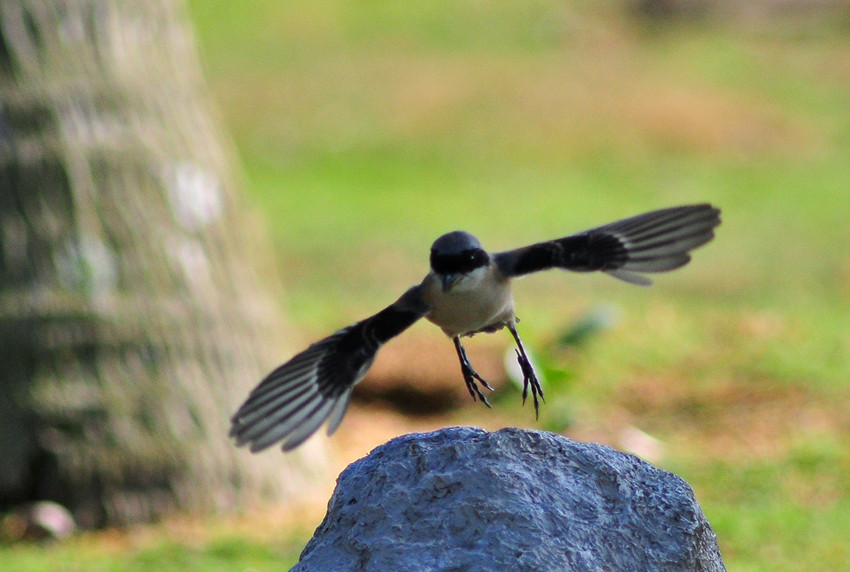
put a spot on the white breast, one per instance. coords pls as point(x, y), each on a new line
point(479, 301)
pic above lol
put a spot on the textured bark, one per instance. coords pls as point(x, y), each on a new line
point(138, 304)
point(465, 499)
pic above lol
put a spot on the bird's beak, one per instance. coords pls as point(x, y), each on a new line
point(449, 281)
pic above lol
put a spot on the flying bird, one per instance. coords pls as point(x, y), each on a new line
point(466, 291)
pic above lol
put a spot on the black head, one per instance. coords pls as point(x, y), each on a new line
point(457, 252)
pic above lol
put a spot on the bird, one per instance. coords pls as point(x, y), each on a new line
point(466, 291)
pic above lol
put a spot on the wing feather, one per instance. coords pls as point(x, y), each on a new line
point(315, 386)
point(657, 241)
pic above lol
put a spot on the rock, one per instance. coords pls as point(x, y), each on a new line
point(43, 520)
point(465, 499)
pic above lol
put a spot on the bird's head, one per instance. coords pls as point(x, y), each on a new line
point(456, 254)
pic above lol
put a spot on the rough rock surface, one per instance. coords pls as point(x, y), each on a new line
point(465, 499)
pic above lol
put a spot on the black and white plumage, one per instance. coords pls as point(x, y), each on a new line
point(467, 291)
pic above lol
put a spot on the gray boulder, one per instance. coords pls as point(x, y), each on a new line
point(465, 499)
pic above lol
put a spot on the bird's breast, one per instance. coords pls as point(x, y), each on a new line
point(475, 303)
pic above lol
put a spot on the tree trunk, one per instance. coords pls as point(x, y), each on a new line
point(138, 304)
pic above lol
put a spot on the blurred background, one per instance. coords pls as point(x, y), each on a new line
point(361, 131)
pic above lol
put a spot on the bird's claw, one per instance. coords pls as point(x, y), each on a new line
point(529, 379)
point(470, 376)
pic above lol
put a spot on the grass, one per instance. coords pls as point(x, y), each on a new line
point(371, 128)
point(184, 544)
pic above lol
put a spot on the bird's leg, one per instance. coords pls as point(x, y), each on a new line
point(470, 375)
point(528, 375)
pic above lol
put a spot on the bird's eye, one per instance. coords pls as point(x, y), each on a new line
point(476, 258)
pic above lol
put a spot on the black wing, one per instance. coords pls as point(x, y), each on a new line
point(656, 241)
point(293, 401)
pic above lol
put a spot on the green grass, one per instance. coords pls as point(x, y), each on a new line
point(373, 127)
point(162, 555)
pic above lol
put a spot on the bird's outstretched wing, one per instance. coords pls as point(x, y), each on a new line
point(293, 401)
point(656, 241)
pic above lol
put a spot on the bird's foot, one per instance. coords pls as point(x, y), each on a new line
point(529, 379)
point(473, 379)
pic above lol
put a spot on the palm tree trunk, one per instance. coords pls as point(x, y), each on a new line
point(138, 302)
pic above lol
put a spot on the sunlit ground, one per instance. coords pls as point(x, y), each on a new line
point(366, 130)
